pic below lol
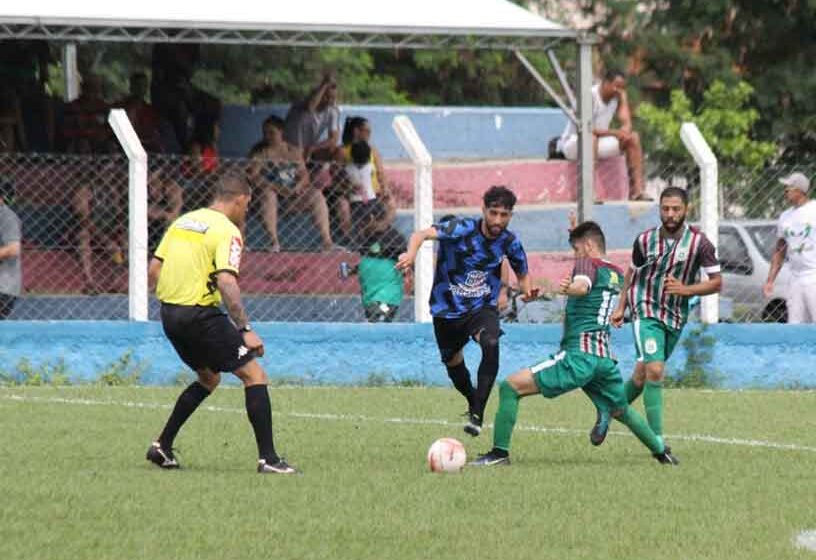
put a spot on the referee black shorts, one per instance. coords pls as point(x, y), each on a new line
point(204, 337)
point(453, 334)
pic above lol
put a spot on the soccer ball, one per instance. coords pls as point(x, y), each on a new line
point(446, 455)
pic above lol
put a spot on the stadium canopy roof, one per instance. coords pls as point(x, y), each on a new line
point(412, 24)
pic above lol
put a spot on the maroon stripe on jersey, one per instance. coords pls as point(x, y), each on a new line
point(684, 277)
point(663, 296)
point(600, 345)
point(651, 297)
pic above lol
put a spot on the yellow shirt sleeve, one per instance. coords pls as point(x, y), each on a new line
point(228, 250)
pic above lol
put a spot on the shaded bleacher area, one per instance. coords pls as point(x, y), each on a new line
point(45, 187)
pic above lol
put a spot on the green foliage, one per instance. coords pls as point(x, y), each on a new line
point(690, 45)
point(122, 371)
point(724, 119)
point(697, 372)
point(46, 373)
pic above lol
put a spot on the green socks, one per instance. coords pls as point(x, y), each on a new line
point(653, 402)
point(637, 424)
point(631, 390)
point(506, 416)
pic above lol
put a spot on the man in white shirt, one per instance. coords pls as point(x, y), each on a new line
point(609, 101)
point(796, 243)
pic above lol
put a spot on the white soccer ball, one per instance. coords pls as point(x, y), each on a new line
point(446, 455)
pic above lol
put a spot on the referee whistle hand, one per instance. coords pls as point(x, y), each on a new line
point(254, 342)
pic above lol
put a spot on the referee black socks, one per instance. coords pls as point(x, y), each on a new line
point(259, 410)
point(186, 404)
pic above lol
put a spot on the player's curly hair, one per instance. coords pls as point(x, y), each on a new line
point(591, 230)
point(500, 196)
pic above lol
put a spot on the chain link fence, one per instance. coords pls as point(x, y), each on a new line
point(305, 238)
point(306, 232)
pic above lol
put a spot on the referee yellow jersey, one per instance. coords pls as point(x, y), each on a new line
point(194, 249)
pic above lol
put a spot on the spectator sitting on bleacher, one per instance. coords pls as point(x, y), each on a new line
point(278, 172)
point(358, 130)
point(10, 270)
point(313, 125)
point(100, 212)
point(381, 284)
point(143, 116)
point(164, 202)
point(200, 170)
point(609, 101)
point(85, 120)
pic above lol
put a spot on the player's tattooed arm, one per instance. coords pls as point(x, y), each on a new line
point(231, 294)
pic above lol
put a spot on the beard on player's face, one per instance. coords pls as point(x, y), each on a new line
point(674, 223)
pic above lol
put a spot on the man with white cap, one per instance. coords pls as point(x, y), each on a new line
point(796, 243)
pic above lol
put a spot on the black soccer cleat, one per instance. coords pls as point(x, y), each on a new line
point(666, 458)
point(491, 459)
point(598, 433)
point(161, 457)
point(474, 425)
point(281, 467)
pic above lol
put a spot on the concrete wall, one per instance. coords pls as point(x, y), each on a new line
point(745, 355)
point(449, 132)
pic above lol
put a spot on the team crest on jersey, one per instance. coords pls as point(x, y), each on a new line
point(235, 253)
point(614, 279)
point(651, 346)
point(475, 285)
point(681, 255)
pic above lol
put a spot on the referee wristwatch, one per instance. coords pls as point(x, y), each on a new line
point(245, 328)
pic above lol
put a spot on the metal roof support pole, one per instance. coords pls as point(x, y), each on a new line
point(70, 72)
point(586, 144)
point(568, 109)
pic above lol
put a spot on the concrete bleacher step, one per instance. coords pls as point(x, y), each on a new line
point(535, 181)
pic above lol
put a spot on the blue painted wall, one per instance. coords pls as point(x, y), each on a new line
point(449, 132)
point(745, 355)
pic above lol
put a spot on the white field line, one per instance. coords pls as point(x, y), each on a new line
point(702, 438)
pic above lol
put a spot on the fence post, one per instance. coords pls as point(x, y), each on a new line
point(709, 203)
point(423, 213)
point(137, 213)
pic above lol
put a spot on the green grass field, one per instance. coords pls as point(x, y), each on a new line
point(75, 485)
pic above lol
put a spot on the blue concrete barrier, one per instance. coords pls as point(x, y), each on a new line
point(745, 356)
point(448, 132)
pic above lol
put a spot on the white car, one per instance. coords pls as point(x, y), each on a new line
point(745, 248)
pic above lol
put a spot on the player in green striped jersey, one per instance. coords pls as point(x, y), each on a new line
point(584, 359)
point(666, 262)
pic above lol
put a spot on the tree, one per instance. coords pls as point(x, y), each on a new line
point(724, 118)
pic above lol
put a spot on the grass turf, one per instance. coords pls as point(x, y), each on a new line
point(75, 485)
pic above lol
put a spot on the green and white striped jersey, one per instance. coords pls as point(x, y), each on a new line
point(586, 324)
point(654, 258)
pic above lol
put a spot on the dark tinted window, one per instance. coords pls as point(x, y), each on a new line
point(733, 253)
point(764, 237)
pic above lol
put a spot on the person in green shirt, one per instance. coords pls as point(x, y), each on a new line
point(584, 360)
point(381, 284)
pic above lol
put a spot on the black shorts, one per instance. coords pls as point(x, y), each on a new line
point(204, 337)
point(453, 334)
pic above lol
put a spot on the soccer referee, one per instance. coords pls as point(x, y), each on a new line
point(196, 266)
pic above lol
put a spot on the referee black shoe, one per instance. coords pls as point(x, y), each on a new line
point(474, 425)
point(666, 458)
point(598, 433)
point(491, 459)
point(281, 467)
point(161, 457)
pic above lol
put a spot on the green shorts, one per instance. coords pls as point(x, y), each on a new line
point(654, 341)
point(599, 377)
